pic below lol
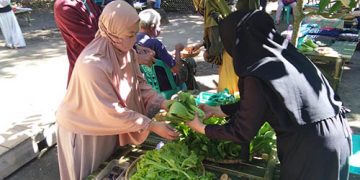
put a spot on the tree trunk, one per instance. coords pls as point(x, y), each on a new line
point(298, 17)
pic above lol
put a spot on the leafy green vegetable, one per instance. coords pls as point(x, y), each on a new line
point(183, 109)
point(205, 147)
point(173, 161)
point(264, 141)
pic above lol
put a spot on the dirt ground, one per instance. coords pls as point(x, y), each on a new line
point(44, 44)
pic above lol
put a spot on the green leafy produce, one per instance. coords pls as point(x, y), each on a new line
point(183, 109)
point(310, 43)
point(305, 48)
point(264, 141)
point(205, 147)
point(173, 161)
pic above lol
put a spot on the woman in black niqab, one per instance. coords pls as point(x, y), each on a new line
point(283, 87)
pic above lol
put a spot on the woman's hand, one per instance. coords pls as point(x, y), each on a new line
point(164, 130)
point(195, 47)
point(146, 55)
point(212, 111)
point(196, 125)
point(166, 104)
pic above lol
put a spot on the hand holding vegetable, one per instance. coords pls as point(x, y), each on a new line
point(196, 125)
point(164, 130)
point(165, 105)
point(212, 111)
point(183, 109)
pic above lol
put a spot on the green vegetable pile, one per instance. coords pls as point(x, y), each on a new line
point(205, 147)
point(307, 46)
point(173, 161)
point(264, 141)
point(183, 109)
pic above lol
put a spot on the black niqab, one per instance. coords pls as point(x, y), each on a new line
point(259, 51)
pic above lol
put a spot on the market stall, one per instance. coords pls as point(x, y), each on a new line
point(328, 44)
point(128, 157)
point(194, 155)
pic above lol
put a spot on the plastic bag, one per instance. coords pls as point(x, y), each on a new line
point(227, 77)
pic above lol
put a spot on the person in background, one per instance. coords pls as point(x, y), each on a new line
point(77, 20)
point(108, 102)
point(10, 27)
point(281, 4)
point(184, 70)
point(213, 11)
point(283, 87)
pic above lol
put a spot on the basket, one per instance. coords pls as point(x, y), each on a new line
point(224, 161)
point(187, 53)
point(132, 168)
point(115, 163)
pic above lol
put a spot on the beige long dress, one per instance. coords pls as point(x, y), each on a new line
point(108, 101)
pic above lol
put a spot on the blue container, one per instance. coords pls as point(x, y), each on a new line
point(355, 157)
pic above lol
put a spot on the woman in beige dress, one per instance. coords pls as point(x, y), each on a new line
point(108, 102)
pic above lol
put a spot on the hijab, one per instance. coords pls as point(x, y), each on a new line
point(107, 94)
point(212, 10)
point(258, 50)
point(243, 35)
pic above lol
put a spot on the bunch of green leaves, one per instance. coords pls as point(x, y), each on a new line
point(183, 109)
point(173, 161)
point(264, 141)
point(205, 147)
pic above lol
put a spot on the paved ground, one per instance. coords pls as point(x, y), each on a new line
point(32, 83)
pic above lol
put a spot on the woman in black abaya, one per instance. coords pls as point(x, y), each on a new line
point(280, 85)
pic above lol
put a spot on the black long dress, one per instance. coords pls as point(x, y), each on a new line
point(280, 85)
point(317, 151)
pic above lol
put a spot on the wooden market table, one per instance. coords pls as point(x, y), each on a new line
point(24, 12)
point(254, 170)
point(331, 59)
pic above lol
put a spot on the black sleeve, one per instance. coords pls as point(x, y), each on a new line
point(248, 118)
point(230, 109)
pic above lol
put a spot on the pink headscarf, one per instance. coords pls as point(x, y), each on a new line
point(107, 93)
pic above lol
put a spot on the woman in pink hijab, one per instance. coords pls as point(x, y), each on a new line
point(108, 102)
